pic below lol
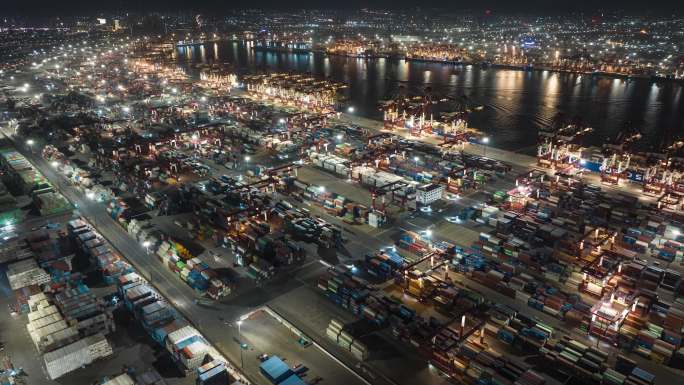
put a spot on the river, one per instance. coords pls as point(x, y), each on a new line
point(516, 103)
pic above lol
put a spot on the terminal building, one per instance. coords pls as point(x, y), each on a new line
point(428, 193)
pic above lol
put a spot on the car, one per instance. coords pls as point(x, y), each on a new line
point(426, 209)
point(451, 196)
point(453, 219)
point(262, 357)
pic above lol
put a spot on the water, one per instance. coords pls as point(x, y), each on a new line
point(516, 103)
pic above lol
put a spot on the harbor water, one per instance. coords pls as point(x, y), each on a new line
point(515, 103)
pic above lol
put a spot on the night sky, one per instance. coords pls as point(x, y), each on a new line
point(65, 7)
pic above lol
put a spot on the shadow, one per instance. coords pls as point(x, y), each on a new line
point(328, 255)
point(166, 367)
point(379, 348)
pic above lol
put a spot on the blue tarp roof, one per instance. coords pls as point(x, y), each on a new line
point(275, 369)
point(293, 380)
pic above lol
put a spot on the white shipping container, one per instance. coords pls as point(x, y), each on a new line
point(38, 334)
point(43, 312)
point(57, 339)
point(180, 335)
point(35, 299)
point(35, 276)
point(123, 379)
point(193, 355)
point(76, 355)
point(332, 334)
point(42, 322)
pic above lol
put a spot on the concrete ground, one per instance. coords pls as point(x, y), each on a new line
point(264, 334)
point(334, 183)
point(390, 361)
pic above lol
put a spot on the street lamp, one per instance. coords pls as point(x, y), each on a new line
point(146, 244)
point(242, 362)
point(350, 109)
point(416, 159)
point(30, 144)
point(485, 141)
point(248, 158)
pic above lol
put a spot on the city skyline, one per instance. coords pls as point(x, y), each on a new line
point(67, 7)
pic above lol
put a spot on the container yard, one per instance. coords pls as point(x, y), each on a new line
point(248, 228)
point(72, 326)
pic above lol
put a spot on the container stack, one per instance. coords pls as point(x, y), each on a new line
point(345, 290)
point(336, 332)
point(26, 273)
point(574, 357)
point(383, 266)
point(48, 329)
point(22, 296)
point(187, 347)
point(50, 202)
point(332, 163)
point(20, 172)
point(213, 373)
point(633, 375)
point(193, 271)
point(81, 308)
point(419, 285)
point(76, 355)
point(414, 243)
point(334, 329)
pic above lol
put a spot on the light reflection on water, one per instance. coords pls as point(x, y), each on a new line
point(516, 103)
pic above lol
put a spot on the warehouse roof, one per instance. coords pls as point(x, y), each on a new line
point(275, 369)
point(293, 380)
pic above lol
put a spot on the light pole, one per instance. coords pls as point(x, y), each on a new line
point(428, 235)
point(30, 144)
point(485, 141)
point(242, 362)
point(416, 159)
point(146, 244)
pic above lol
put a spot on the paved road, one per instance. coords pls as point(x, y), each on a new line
point(265, 332)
